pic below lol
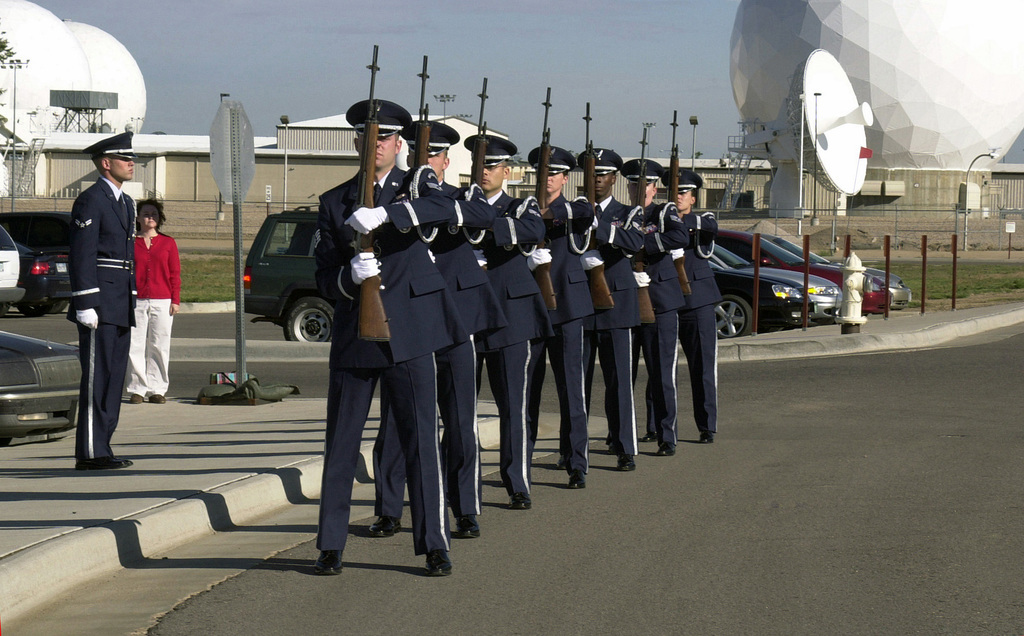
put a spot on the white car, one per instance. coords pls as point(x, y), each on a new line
point(10, 266)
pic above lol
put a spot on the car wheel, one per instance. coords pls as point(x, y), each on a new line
point(59, 307)
point(5, 441)
point(310, 319)
point(34, 310)
point(733, 317)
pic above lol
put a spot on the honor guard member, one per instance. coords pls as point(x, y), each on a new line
point(507, 351)
point(697, 330)
point(609, 331)
point(101, 259)
point(658, 341)
point(568, 227)
point(480, 313)
point(422, 319)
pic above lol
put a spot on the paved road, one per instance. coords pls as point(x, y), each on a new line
point(860, 495)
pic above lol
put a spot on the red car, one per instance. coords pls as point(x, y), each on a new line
point(876, 296)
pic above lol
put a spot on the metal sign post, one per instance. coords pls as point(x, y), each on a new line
point(233, 163)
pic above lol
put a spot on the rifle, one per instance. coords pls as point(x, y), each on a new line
point(673, 192)
point(600, 294)
point(643, 293)
point(480, 145)
point(543, 272)
point(423, 125)
point(373, 321)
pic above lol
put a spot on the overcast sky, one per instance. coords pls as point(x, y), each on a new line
point(635, 61)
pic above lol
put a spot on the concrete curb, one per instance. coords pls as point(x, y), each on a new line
point(88, 553)
point(867, 343)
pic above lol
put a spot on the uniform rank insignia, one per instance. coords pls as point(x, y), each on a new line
point(85, 223)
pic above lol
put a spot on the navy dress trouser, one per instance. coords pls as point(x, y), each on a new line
point(699, 339)
point(658, 343)
point(507, 374)
point(103, 353)
point(410, 390)
point(565, 351)
point(614, 348)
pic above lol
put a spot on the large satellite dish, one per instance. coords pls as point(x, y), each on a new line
point(820, 128)
point(835, 123)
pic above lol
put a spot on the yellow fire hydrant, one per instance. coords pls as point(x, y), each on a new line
point(853, 295)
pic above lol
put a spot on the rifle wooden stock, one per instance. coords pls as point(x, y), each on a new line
point(479, 156)
point(600, 293)
point(422, 144)
point(673, 193)
point(542, 273)
point(643, 294)
point(373, 321)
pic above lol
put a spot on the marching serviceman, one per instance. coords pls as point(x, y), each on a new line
point(663, 232)
point(101, 259)
point(697, 331)
point(422, 319)
point(569, 224)
point(507, 351)
point(609, 331)
point(480, 313)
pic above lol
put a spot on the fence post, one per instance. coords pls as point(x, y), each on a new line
point(887, 245)
point(924, 271)
point(954, 272)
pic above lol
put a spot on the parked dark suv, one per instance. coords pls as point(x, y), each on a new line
point(280, 284)
point(42, 239)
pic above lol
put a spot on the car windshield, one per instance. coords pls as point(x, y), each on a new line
point(795, 249)
point(730, 259)
point(778, 253)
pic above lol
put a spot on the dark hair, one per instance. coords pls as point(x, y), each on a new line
point(156, 203)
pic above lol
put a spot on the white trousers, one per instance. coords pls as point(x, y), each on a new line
point(150, 352)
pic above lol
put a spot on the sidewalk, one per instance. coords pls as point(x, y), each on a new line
point(200, 469)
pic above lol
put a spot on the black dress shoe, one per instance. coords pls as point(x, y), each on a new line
point(666, 450)
point(577, 479)
point(519, 501)
point(385, 526)
point(102, 463)
point(466, 527)
point(562, 461)
point(650, 437)
point(707, 437)
point(328, 563)
point(626, 462)
point(438, 563)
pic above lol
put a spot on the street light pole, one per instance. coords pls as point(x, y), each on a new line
point(814, 182)
point(14, 65)
point(993, 154)
point(284, 197)
point(444, 98)
point(693, 144)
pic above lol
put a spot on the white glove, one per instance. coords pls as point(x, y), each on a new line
point(365, 220)
point(591, 259)
point(364, 265)
point(88, 318)
point(677, 254)
point(481, 260)
point(539, 257)
point(642, 279)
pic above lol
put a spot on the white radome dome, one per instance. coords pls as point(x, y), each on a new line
point(55, 61)
point(113, 70)
point(945, 78)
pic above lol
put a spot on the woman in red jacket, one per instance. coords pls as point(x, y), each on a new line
point(158, 280)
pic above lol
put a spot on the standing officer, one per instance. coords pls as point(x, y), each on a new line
point(507, 351)
point(422, 319)
point(697, 332)
point(569, 225)
point(101, 259)
point(663, 232)
point(479, 313)
point(609, 331)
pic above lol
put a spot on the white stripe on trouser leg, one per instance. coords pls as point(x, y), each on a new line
point(716, 382)
point(632, 404)
point(441, 512)
point(522, 419)
point(476, 440)
point(583, 395)
point(675, 386)
point(90, 414)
